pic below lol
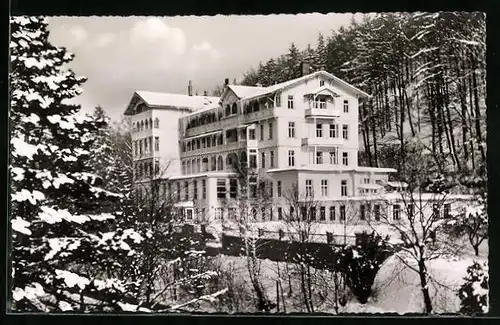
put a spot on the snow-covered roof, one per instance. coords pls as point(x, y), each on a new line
point(283, 85)
point(204, 174)
point(157, 99)
point(397, 184)
point(370, 186)
point(245, 91)
point(322, 90)
point(185, 204)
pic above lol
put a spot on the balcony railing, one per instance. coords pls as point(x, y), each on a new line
point(322, 112)
point(317, 104)
point(214, 126)
point(324, 142)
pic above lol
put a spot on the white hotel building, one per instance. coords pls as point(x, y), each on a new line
point(303, 131)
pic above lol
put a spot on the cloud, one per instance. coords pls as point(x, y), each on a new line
point(154, 32)
point(78, 35)
point(207, 49)
point(104, 39)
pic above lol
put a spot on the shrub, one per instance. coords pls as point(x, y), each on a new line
point(360, 263)
point(473, 293)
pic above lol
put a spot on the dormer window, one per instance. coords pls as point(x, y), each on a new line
point(157, 123)
point(321, 83)
point(234, 109)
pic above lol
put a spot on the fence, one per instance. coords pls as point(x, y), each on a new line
point(327, 238)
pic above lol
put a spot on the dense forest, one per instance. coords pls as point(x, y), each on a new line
point(426, 74)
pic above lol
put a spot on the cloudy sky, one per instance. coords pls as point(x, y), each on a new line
point(120, 55)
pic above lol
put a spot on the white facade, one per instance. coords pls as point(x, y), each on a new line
point(301, 132)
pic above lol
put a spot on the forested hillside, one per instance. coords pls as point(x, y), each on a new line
point(426, 73)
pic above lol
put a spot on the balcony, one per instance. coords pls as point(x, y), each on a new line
point(256, 116)
point(321, 110)
point(322, 142)
point(202, 129)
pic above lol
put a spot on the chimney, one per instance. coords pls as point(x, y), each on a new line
point(205, 93)
point(305, 68)
point(190, 88)
point(226, 82)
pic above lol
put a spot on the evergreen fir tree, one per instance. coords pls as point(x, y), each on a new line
point(61, 239)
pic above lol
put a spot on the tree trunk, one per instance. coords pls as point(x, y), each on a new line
point(477, 113)
point(452, 137)
point(374, 135)
point(422, 272)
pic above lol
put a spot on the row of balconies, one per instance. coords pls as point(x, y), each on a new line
point(233, 120)
point(231, 146)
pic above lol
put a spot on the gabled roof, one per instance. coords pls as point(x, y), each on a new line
point(245, 91)
point(181, 101)
point(323, 89)
point(286, 84)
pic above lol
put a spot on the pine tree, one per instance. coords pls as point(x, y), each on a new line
point(62, 240)
point(473, 293)
point(320, 55)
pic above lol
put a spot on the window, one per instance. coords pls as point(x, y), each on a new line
point(435, 211)
point(271, 189)
point(271, 130)
point(146, 125)
point(146, 145)
point(213, 163)
point(221, 188)
point(157, 123)
point(303, 213)
point(366, 181)
point(324, 187)
point(345, 159)
point(345, 131)
point(262, 132)
point(186, 191)
point(321, 83)
point(195, 190)
point(309, 187)
point(342, 213)
point(290, 101)
point(278, 100)
point(447, 210)
point(291, 129)
point(278, 188)
point(319, 130)
point(263, 214)
point(396, 211)
point(253, 186)
point(346, 106)
point(170, 194)
point(333, 131)
point(332, 213)
point(136, 148)
point(254, 214)
point(203, 189)
point(251, 134)
point(157, 143)
point(228, 110)
point(322, 213)
point(183, 167)
point(271, 158)
point(231, 212)
point(262, 160)
point(362, 211)
point(343, 188)
point(234, 109)
point(291, 158)
point(376, 209)
point(157, 167)
point(280, 213)
point(253, 161)
point(333, 157)
point(218, 213)
point(319, 157)
point(233, 188)
point(178, 191)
